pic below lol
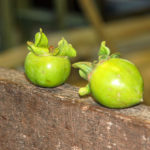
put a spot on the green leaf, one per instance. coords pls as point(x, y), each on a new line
point(41, 39)
point(115, 55)
point(85, 90)
point(103, 57)
point(65, 49)
point(85, 68)
point(37, 50)
point(83, 74)
point(104, 50)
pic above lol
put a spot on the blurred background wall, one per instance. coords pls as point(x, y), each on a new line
point(125, 25)
point(20, 19)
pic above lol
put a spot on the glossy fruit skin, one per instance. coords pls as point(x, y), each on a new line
point(47, 71)
point(116, 83)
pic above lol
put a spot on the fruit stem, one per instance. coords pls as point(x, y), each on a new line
point(84, 90)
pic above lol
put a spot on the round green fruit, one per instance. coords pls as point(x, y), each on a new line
point(112, 81)
point(116, 83)
point(47, 71)
point(45, 65)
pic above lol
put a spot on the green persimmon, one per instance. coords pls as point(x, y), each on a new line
point(47, 66)
point(47, 71)
point(113, 82)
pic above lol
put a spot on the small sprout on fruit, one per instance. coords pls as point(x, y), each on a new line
point(104, 50)
point(84, 68)
point(85, 90)
point(41, 40)
point(115, 55)
point(40, 47)
point(66, 49)
point(37, 50)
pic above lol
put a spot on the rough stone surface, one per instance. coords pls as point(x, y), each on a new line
point(34, 118)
